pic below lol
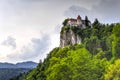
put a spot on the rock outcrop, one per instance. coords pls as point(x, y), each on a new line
point(69, 37)
point(70, 33)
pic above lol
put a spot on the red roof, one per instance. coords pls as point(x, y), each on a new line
point(78, 17)
point(72, 19)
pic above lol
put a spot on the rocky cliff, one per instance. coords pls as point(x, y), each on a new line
point(69, 36)
point(71, 30)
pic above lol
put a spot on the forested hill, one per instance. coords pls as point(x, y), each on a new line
point(10, 70)
point(96, 58)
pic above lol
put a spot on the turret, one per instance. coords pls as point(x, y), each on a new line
point(79, 22)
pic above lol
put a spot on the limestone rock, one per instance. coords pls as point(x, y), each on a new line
point(69, 38)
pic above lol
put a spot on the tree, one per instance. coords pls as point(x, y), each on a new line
point(65, 22)
point(116, 30)
point(113, 72)
point(116, 41)
point(92, 44)
point(86, 18)
point(96, 22)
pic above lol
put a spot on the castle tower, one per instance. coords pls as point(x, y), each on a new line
point(79, 22)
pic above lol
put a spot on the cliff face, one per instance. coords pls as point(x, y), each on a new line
point(69, 37)
point(70, 33)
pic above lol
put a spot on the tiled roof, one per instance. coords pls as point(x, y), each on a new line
point(75, 20)
point(78, 17)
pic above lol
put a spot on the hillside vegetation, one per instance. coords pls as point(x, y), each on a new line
point(96, 58)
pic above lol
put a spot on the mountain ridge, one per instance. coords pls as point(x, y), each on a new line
point(27, 64)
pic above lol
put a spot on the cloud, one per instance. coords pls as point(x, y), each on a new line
point(74, 11)
point(36, 47)
point(33, 50)
point(88, 4)
point(107, 11)
point(9, 42)
point(31, 0)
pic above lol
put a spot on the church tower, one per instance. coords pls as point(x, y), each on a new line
point(79, 21)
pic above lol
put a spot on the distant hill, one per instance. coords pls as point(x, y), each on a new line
point(9, 70)
point(28, 64)
point(7, 65)
point(8, 73)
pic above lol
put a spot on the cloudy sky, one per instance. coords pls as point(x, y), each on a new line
point(29, 29)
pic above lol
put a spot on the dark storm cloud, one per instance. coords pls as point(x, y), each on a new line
point(10, 42)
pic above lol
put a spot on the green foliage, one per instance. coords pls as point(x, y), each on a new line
point(65, 28)
point(87, 61)
point(71, 63)
point(76, 29)
point(92, 44)
point(116, 30)
point(116, 41)
point(78, 65)
point(65, 22)
point(113, 72)
point(96, 24)
point(116, 48)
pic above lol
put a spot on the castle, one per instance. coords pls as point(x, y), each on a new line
point(79, 22)
point(68, 36)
